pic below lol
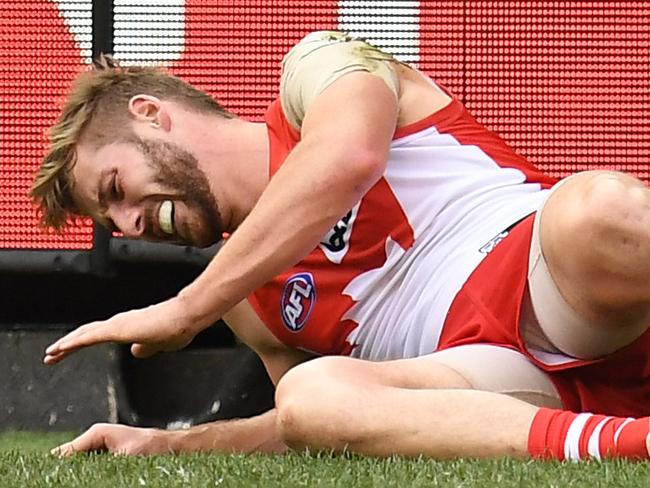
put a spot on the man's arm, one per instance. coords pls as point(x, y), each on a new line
point(255, 434)
point(346, 136)
point(345, 139)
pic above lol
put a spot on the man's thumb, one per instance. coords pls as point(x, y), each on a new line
point(142, 351)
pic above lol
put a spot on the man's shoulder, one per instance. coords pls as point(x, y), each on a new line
point(321, 58)
point(324, 36)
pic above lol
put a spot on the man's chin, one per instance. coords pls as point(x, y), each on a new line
point(197, 235)
point(205, 244)
point(202, 241)
point(177, 240)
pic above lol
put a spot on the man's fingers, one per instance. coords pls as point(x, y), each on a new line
point(86, 335)
point(55, 356)
point(67, 342)
point(51, 359)
point(91, 440)
point(64, 450)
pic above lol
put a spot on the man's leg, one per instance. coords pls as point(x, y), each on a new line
point(425, 406)
point(590, 285)
point(589, 297)
point(412, 407)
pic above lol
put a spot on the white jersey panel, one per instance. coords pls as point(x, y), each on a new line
point(457, 200)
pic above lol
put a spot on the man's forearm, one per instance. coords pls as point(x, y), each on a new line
point(255, 434)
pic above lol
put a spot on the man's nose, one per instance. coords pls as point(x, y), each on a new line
point(128, 219)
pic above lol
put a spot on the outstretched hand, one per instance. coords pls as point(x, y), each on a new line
point(165, 326)
point(117, 439)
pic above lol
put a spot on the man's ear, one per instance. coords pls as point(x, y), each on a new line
point(149, 109)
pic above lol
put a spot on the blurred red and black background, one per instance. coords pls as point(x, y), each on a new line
point(566, 83)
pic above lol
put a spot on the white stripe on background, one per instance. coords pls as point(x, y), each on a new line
point(392, 25)
point(78, 17)
point(149, 31)
point(153, 30)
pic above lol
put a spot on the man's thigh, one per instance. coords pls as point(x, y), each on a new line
point(500, 370)
point(590, 252)
point(473, 366)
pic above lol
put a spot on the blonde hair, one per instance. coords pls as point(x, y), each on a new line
point(97, 111)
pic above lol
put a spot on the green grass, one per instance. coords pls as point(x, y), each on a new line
point(25, 462)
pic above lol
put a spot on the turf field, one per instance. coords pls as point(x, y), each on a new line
point(25, 462)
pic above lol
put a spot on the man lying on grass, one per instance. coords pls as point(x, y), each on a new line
point(458, 301)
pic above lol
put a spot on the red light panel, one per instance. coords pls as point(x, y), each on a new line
point(231, 49)
point(40, 55)
point(563, 82)
point(566, 83)
point(442, 48)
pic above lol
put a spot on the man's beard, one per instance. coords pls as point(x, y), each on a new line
point(178, 170)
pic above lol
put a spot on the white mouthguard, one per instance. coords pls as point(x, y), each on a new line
point(165, 218)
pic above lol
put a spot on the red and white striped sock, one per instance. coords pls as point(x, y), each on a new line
point(559, 434)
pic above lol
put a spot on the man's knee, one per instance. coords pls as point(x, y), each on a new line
point(311, 402)
point(292, 402)
point(595, 232)
point(613, 206)
point(598, 208)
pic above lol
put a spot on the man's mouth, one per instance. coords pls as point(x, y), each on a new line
point(166, 217)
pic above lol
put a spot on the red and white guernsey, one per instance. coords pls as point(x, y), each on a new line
point(381, 282)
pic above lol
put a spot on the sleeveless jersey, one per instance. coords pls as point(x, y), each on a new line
point(382, 280)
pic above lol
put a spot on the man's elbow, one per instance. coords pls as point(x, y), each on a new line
point(366, 166)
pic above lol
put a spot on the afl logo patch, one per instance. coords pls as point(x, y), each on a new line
point(298, 300)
